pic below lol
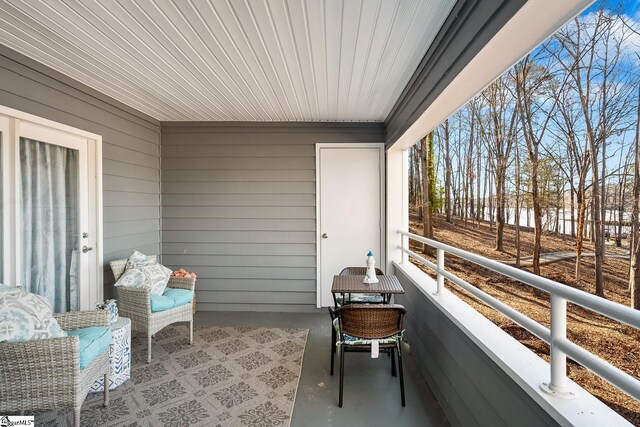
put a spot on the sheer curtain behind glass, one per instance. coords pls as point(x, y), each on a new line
point(1, 214)
point(49, 182)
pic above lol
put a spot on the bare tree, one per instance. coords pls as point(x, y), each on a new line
point(589, 54)
point(531, 83)
point(498, 134)
point(579, 164)
point(517, 179)
point(634, 270)
point(470, 151)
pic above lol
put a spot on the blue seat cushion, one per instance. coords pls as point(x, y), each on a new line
point(93, 341)
point(171, 298)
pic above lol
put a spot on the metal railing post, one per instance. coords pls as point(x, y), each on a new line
point(440, 277)
point(558, 384)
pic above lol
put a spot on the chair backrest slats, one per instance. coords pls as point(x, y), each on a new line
point(371, 321)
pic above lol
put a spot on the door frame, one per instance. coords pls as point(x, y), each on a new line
point(10, 122)
point(383, 224)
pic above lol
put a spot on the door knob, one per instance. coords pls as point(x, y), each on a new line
point(86, 249)
point(324, 236)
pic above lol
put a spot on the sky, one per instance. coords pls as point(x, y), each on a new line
point(630, 61)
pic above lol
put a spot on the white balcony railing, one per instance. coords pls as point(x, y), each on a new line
point(556, 335)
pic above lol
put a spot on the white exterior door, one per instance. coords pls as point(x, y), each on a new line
point(350, 210)
point(50, 210)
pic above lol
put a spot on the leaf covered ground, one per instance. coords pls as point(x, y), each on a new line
point(616, 343)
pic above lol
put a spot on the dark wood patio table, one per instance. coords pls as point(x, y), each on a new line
point(386, 286)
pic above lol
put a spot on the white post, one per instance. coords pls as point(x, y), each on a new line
point(440, 277)
point(397, 214)
point(558, 385)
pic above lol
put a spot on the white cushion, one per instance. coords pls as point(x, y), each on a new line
point(144, 272)
point(26, 316)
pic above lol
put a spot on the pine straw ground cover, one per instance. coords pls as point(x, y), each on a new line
point(616, 343)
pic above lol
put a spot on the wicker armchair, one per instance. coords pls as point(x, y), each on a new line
point(45, 374)
point(358, 324)
point(135, 304)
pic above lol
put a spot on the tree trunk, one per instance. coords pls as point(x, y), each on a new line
point(537, 218)
point(517, 207)
point(582, 211)
point(634, 270)
point(479, 211)
point(484, 190)
point(564, 216)
point(427, 225)
point(491, 201)
point(500, 206)
point(573, 214)
point(447, 171)
point(557, 219)
point(621, 208)
point(470, 176)
point(596, 221)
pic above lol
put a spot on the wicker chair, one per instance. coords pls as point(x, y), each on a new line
point(358, 324)
point(135, 303)
point(45, 374)
point(357, 299)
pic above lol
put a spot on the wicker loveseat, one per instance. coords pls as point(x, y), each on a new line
point(135, 303)
point(45, 374)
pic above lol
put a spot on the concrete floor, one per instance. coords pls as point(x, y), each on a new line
point(371, 394)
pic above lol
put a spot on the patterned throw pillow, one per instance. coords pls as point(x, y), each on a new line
point(25, 316)
point(138, 259)
point(144, 272)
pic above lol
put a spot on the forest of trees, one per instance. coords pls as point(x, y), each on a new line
point(554, 141)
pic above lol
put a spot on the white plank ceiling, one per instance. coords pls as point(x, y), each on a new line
point(235, 60)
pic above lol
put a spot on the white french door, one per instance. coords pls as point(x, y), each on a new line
point(51, 210)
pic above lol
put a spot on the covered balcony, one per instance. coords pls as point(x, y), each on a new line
point(263, 146)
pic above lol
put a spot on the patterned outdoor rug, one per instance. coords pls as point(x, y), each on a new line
point(228, 377)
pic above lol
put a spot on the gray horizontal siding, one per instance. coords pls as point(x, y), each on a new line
point(256, 212)
point(239, 224)
point(239, 249)
point(235, 261)
point(235, 236)
point(212, 176)
point(131, 149)
point(471, 389)
point(239, 209)
point(269, 307)
point(244, 163)
point(242, 187)
point(247, 199)
point(251, 285)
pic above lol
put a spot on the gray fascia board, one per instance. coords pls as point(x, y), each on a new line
point(467, 29)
